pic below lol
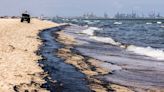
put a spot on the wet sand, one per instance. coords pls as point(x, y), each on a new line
point(118, 66)
point(19, 68)
point(89, 66)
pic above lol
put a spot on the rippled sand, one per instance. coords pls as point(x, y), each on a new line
point(19, 70)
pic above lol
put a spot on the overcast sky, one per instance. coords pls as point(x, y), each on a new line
point(78, 7)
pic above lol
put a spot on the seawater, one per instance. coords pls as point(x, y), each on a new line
point(142, 37)
point(138, 66)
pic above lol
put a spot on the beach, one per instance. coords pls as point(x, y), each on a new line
point(44, 56)
point(19, 68)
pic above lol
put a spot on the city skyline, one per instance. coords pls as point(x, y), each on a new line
point(79, 7)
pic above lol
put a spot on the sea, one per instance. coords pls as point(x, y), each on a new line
point(144, 37)
point(132, 49)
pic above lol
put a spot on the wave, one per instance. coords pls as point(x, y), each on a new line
point(89, 22)
point(90, 31)
point(149, 23)
point(105, 40)
point(147, 51)
point(159, 22)
point(117, 23)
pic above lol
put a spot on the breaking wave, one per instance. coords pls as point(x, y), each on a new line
point(117, 23)
point(105, 40)
point(90, 31)
point(146, 51)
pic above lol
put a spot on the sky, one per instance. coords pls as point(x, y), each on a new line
point(79, 7)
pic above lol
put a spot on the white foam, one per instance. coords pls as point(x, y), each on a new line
point(159, 22)
point(105, 40)
point(148, 23)
point(88, 22)
point(147, 51)
point(117, 23)
point(75, 20)
point(90, 31)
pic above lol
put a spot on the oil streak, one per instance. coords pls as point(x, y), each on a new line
point(62, 77)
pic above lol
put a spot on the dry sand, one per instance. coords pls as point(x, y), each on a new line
point(19, 70)
point(89, 66)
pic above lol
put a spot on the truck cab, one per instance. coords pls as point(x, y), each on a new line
point(25, 17)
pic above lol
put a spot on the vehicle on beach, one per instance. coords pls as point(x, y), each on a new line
point(25, 17)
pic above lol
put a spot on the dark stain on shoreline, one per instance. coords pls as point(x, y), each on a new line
point(61, 77)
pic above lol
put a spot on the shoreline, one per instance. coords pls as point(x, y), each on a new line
point(43, 56)
point(87, 65)
point(136, 72)
point(59, 74)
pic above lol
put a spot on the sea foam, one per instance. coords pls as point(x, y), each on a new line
point(90, 31)
point(105, 40)
point(117, 23)
point(147, 51)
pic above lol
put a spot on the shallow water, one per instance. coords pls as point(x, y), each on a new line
point(67, 78)
point(128, 68)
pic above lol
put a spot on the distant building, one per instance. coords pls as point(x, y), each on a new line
point(106, 15)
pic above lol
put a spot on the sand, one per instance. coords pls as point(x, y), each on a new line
point(19, 68)
point(87, 65)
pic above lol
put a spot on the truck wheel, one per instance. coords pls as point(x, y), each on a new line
point(28, 21)
point(21, 20)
